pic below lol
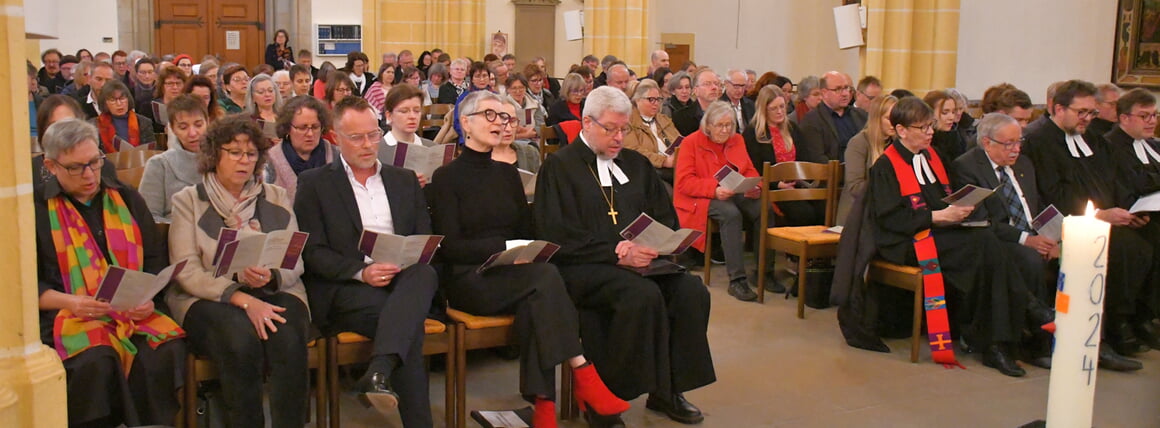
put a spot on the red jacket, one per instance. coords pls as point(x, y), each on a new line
point(698, 161)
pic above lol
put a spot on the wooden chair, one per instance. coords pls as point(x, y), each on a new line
point(200, 369)
point(162, 141)
point(805, 242)
point(434, 115)
point(906, 278)
point(549, 142)
point(710, 229)
point(351, 348)
point(130, 165)
point(482, 332)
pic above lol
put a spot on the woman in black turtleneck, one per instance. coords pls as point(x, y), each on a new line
point(478, 204)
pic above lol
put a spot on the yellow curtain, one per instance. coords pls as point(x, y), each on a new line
point(619, 28)
point(912, 44)
point(456, 26)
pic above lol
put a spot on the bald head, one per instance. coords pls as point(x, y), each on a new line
point(836, 91)
point(659, 59)
point(618, 77)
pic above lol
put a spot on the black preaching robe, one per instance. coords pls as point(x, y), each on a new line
point(645, 335)
point(991, 295)
point(1141, 179)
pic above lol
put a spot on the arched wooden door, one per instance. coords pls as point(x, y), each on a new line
point(233, 30)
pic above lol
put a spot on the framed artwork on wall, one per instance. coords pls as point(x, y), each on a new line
point(1136, 60)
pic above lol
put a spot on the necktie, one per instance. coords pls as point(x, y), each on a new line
point(1011, 200)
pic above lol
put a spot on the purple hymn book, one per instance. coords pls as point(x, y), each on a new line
point(1049, 224)
point(734, 181)
point(970, 195)
point(126, 289)
point(673, 147)
point(401, 251)
point(652, 234)
point(279, 249)
point(532, 252)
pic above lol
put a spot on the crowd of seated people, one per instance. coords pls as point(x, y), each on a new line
point(616, 157)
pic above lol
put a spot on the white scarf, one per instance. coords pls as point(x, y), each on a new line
point(922, 170)
point(235, 212)
point(1077, 146)
point(1144, 151)
point(606, 168)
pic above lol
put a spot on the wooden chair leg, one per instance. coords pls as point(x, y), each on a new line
point(449, 363)
point(321, 398)
point(461, 376)
point(707, 275)
point(761, 271)
point(801, 281)
point(332, 389)
point(190, 391)
point(916, 327)
point(568, 408)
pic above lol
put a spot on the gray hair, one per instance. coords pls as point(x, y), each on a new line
point(82, 68)
point(281, 73)
point(716, 111)
point(642, 89)
point(571, 82)
point(251, 108)
point(807, 85)
point(607, 99)
point(461, 62)
point(471, 102)
point(675, 81)
point(957, 96)
point(1105, 88)
point(438, 68)
point(700, 72)
point(992, 123)
point(66, 134)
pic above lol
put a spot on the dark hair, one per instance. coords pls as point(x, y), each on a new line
point(516, 77)
point(901, 93)
point(532, 70)
point(1136, 97)
point(303, 52)
point(444, 57)
point(355, 56)
point(348, 104)
point(49, 104)
point(144, 60)
point(991, 96)
point(383, 69)
point(299, 69)
point(324, 71)
point(658, 75)
point(780, 81)
point(284, 33)
point(69, 59)
point(229, 72)
point(215, 111)
point(31, 69)
point(936, 98)
point(85, 51)
point(167, 72)
point(266, 69)
point(400, 93)
point(767, 78)
point(222, 132)
point(582, 70)
point(589, 58)
point(401, 75)
point(50, 51)
point(868, 81)
point(118, 53)
point(337, 77)
point(1069, 90)
point(477, 67)
point(490, 57)
point(909, 111)
point(1012, 98)
point(425, 54)
point(111, 88)
point(507, 57)
point(295, 105)
point(185, 103)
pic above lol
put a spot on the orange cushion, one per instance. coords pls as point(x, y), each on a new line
point(430, 326)
point(476, 322)
point(813, 235)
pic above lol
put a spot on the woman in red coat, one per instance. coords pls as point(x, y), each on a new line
point(698, 196)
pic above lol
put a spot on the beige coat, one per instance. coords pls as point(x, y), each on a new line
point(193, 237)
point(642, 141)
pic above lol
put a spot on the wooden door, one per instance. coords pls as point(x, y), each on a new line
point(533, 20)
point(200, 27)
point(678, 55)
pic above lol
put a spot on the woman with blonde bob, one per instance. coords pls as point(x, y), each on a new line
point(770, 138)
point(863, 150)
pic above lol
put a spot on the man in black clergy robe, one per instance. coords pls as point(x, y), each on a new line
point(1137, 157)
point(350, 292)
point(995, 161)
point(650, 332)
point(1074, 166)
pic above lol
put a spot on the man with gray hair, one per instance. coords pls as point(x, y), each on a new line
point(618, 76)
point(1106, 96)
point(657, 315)
point(996, 163)
point(743, 108)
point(706, 89)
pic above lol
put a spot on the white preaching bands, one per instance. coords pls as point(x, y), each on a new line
point(1076, 145)
point(922, 170)
point(1144, 151)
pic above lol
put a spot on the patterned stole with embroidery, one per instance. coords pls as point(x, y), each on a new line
point(83, 266)
point(934, 290)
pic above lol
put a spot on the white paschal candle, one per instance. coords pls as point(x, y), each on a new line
point(1079, 307)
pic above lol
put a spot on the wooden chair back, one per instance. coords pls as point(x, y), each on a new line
point(823, 185)
point(130, 165)
point(434, 115)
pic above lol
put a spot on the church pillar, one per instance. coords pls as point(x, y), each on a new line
point(32, 379)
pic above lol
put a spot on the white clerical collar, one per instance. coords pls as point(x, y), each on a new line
point(922, 170)
point(1144, 151)
point(605, 166)
point(390, 140)
point(1077, 146)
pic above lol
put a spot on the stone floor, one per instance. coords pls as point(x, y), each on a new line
point(774, 370)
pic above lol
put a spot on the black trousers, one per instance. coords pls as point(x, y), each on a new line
point(222, 332)
point(731, 215)
point(546, 323)
point(100, 395)
point(1132, 272)
point(393, 317)
point(645, 335)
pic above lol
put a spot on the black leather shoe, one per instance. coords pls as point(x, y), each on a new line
point(676, 408)
point(1110, 360)
point(771, 283)
point(1123, 339)
point(603, 421)
point(739, 288)
point(964, 345)
point(374, 391)
point(1147, 333)
point(998, 359)
point(1039, 315)
point(1041, 362)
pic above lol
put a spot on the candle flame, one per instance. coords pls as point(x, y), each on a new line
point(1090, 211)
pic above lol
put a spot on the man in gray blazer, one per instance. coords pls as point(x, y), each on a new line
point(826, 129)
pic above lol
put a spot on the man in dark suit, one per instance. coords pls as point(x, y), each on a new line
point(350, 292)
point(826, 129)
point(743, 108)
point(995, 162)
point(707, 88)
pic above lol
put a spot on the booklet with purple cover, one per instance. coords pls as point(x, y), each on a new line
point(970, 195)
point(279, 249)
point(1049, 223)
point(733, 180)
point(532, 252)
point(416, 157)
point(673, 146)
point(160, 114)
point(401, 251)
point(652, 234)
point(126, 289)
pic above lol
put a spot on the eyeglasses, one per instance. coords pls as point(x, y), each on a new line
point(237, 155)
point(343, 90)
point(370, 137)
point(778, 107)
point(654, 100)
point(94, 166)
point(1085, 113)
point(1008, 145)
point(174, 83)
point(718, 85)
point(723, 126)
point(870, 97)
point(491, 115)
point(263, 92)
point(844, 88)
point(929, 127)
point(737, 85)
point(624, 130)
point(118, 100)
point(307, 128)
point(239, 79)
point(1147, 117)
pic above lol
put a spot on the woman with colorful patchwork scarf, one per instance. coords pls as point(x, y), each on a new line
point(122, 366)
point(254, 323)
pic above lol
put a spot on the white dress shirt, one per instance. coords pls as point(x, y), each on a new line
point(1018, 191)
point(373, 206)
